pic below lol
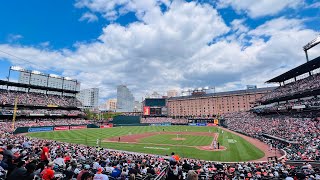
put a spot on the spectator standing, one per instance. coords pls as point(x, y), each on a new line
point(44, 157)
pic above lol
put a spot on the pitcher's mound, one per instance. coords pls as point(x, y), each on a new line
point(178, 139)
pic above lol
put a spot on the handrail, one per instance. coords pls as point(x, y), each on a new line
point(162, 173)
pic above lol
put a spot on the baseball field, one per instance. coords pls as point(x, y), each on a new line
point(186, 141)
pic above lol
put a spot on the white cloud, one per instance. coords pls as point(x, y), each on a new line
point(112, 9)
point(88, 17)
point(259, 8)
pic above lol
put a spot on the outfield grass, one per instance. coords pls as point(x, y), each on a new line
point(238, 149)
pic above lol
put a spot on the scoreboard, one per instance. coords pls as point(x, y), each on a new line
point(155, 107)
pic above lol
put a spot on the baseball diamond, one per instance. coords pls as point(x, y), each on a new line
point(196, 143)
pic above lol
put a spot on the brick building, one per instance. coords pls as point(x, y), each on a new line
point(215, 103)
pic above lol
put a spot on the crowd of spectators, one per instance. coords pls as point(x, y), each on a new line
point(43, 112)
point(44, 122)
point(300, 132)
point(25, 158)
point(164, 120)
point(37, 99)
point(309, 83)
point(301, 104)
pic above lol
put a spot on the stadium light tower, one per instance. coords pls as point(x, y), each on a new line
point(310, 45)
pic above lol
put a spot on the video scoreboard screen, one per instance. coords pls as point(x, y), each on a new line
point(160, 102)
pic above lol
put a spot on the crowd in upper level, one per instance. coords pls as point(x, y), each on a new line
point(37, 99)
point(307, 84)
point(164, 120)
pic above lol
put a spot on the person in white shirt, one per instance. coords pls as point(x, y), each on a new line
point(59, 161)
point(144, 170)
point(109, 168)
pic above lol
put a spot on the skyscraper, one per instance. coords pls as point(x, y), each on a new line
point(89, 97)
point(125, 99)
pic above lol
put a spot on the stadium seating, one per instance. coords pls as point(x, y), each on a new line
point(37, 99)
point(34, 112)
point(298, 134)
point(152, 120)
point(307, 84)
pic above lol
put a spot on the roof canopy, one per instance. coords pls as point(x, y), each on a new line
point(302, 69)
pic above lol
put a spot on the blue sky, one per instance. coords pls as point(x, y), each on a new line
point(158, 45)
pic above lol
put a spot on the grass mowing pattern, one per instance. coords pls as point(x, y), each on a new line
point(239, 151)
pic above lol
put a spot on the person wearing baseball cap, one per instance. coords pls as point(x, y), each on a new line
point(100, 176)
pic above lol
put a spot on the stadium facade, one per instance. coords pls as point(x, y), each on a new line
point(215, 103)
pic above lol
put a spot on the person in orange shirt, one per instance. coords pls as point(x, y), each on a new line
point(48, 173)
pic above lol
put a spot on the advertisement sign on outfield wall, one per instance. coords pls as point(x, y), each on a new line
point(201, 124)
point(106, 126)
point(160, 124)
point(197, 124)
point(61, 128)
point(40, 129)
point(211, 124)
point(78, 127)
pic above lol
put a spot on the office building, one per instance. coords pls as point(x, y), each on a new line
point(111, 104)
point(137, 106)
point(89, 97)
point(125, 99)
